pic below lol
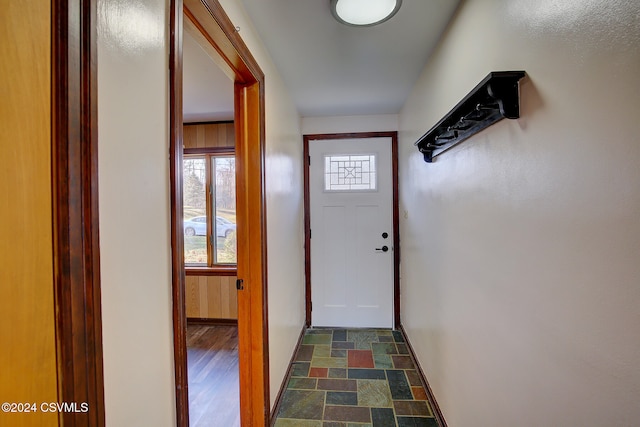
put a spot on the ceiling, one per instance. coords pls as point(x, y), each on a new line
point(330, 69)
point(207, 93)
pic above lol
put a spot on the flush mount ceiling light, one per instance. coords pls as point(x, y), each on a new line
point(364, 13)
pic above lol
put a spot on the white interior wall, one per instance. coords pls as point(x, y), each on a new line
point(284, 192)
point(135, 246)
point(521, 247)
point(348, 124)
point(135, 212)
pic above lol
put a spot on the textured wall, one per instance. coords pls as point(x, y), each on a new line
point(520, 247)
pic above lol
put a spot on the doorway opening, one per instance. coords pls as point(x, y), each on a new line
point(208, 23)
point(210, 230)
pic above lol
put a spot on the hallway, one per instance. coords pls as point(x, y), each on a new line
point(520, 248)
point(361, 377)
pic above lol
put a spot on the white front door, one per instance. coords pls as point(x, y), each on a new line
point(351, 210)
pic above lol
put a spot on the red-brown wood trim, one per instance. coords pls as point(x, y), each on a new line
point(396, 217)
point(253, 339)
point(206, 30)
point(307, 232)
point(218, 151)
point(236, 50)
point(396, 230)
point(432, 400)
point(287, 377)
point(253, 343)
point(76, 248)
point(212, 122)
point(211, 271)
point(177, 232)
point(211, 322)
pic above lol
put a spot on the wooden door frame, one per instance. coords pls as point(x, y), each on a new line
point(76, 249)
point(396, 223)
point(209, 17)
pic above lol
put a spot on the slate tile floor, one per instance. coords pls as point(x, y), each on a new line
point(354, 378)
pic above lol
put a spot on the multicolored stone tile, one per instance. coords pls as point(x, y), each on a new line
point(354, 378)
point(305, 352)
point(384, 348)
point(419, 393)
point(399, 385)
point(366, 374)
point(338, 353)
point(318, 372)
point(300, 369)
point(340, 335)
point(342, 398)
point(302, 383)
point(284, 422)
point(337, 373)
point(337, 385)
point(402, 348)
point(302, 404)
point(362, 338)
point(374, 393)
point(412, 407)
point(329, 362)
point(317, 339)
point(413, 377)
point(416, 422)
point(382, 361)
point(343, 345)
point(402, 362)
point(358, 414)
point(322, 351)
point(383, 417)
point(360, 359)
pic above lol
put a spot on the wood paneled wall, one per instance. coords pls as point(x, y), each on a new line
point(209, 135)
point(27, 313)
point(210, 297)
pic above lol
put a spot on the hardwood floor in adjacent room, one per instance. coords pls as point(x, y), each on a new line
point(212, 358)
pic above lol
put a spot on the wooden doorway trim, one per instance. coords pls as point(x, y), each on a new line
point(396, 221)
point(216, 27)
point(76, 249)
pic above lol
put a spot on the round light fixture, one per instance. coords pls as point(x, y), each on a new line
point(364, 13)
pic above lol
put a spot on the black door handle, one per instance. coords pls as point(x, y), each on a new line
point(383, 249)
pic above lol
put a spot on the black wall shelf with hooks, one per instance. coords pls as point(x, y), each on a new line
point(497, 96)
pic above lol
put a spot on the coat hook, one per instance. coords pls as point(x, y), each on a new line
point(459, 125)
point(446, 138)
point(481, 107)
point(495, 98)
point(478, 114)
point(237, 29)
point(432, 145)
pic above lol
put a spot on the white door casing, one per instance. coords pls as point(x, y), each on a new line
point(351, 275)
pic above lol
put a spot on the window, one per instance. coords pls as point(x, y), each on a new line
point(346, 172)
point(209, 191)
